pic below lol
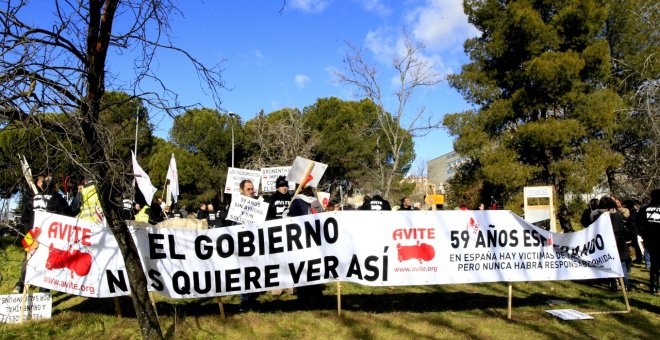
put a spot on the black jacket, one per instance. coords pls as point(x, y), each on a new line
point(277, 203)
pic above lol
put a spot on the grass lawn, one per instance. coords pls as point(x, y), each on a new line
point(416, 312)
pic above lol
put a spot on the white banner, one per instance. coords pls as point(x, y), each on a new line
point(371, 248)
point(236, 175)
point(76, 257)
point(37, 306)
point(246, 210)
point(269, 175)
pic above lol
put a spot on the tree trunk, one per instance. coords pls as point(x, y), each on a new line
point(144, 310)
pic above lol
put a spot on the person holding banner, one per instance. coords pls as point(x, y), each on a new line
point(607, 205)
point(248, 300)
point(305, 203)
point(46, 199)
point(280, 200)
point(406, 204)
point(648, 222)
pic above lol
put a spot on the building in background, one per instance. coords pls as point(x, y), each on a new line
point(442, 168)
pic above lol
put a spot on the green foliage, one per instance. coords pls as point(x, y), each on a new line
point(537, 74)
point(207, 132)
point(198, 179)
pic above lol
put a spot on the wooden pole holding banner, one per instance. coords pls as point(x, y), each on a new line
point(222, 308)
point(625, 298)
point(625, 293)
point(510, 302)
point(338, 298)
point(118, 307)
point(26, 287)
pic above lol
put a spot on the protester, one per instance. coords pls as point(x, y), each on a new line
point(248, 300)
point(126, 212)
point(376, 203)
point(46, 199)
point(607, 205)
point(212, 217)
point(648, 222)
point(142, 213)
point(202, 213)
point(305, 203)
point(406, 204)
point(586, 220)
point(280, 200)
point(156, 214)
point(633, 232)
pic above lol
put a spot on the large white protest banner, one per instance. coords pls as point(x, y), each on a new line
point(246, 210)
point(236, 175)
point(371, 248)
point(269, 175)
point(77, 257)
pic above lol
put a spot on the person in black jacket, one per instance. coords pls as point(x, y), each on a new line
point(648, 222)
point(376, 203)
point(585, 219)
point(280, 200)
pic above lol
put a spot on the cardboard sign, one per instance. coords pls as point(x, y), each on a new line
point(299, 168)
point(236, 175)
point(269, 176)
point(435, 199)
point(246, 210)
point(37, 306)
point(324, 198)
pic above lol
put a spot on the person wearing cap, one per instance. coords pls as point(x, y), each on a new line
point(280, 200)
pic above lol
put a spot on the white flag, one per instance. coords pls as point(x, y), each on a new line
point(143, 181)
point(173, 176)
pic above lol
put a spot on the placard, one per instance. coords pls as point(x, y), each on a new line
point(236, 175)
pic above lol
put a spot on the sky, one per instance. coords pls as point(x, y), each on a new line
point(285, 54)
point(273, 59)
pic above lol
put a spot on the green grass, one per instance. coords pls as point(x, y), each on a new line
point(417, 312)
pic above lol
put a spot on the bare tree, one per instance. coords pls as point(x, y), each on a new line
point(414, 72)
point(60, 67)
point(278, 138)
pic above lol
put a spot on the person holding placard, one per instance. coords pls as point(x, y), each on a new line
point(248, 300)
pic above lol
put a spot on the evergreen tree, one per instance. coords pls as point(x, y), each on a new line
point(538, 75)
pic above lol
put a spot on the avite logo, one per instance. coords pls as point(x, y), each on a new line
point(418, 251)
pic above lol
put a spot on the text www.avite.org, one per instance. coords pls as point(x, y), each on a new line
point(415, 269)
point(69, 284)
